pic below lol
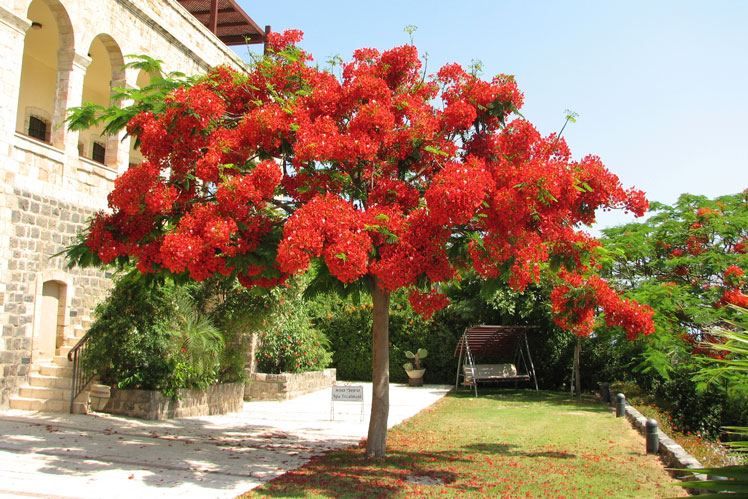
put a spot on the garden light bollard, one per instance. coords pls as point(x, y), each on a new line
point(653, 438)
point(620, 405)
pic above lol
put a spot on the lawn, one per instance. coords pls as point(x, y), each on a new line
point(506, 443)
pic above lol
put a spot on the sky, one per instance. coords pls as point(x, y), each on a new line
point(660, 87)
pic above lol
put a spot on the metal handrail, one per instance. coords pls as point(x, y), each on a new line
point(80, 379)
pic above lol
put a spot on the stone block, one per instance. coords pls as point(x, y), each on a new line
point(152, 405)
point(285, 386)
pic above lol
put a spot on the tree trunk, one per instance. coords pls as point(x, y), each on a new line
point(577, 379)
point(376, 442)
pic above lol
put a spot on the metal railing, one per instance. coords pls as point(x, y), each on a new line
point(80, 378)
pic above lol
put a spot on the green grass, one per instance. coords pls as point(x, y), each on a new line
point(507, 443)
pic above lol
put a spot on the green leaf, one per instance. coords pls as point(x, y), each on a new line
point(434, 150)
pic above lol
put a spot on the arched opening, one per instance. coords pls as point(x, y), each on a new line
point(104, 73)
point(39, 72)
point(50, 331)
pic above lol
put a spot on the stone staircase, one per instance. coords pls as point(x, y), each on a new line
point(50, 381)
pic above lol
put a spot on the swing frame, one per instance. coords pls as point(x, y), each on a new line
point(494, 341)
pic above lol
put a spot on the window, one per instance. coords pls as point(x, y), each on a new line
point(38, 128)
point(98, 153)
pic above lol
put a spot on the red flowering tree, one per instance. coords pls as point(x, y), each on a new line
point(688, 261)
point(384, 177)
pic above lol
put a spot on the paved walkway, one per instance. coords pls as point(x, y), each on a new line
point(66, 456)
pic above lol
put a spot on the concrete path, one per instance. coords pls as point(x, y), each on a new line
point(94, 456)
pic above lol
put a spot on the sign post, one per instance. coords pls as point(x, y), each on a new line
point(353, 393)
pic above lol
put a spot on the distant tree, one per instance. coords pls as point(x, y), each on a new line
point(687, 262)
point(385, 179)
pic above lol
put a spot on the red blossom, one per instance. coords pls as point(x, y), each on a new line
point(734, 296)
point(426, 304)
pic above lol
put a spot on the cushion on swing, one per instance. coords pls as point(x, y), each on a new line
point(490, 371)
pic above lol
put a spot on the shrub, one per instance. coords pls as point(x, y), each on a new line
point(127, 339)
point(288, 340)
point(154, 334)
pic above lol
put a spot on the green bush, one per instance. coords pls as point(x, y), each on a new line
point(153, 334)
point(127, 341)
point(288, 340)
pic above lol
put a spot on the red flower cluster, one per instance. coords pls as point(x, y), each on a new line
point(426, 304)
point(734, 274)
point(575, 306)
point(734, 296)
point(330, 227)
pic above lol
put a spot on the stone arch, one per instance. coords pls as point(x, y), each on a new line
point(43, 87)
point(104, 73)
point(51, 304)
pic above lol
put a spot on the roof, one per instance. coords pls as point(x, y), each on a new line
point(491, 341)
point(226, 20)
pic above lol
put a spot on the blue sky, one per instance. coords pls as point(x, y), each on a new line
point(661, 88)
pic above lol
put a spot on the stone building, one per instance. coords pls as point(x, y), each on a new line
point(58, 54)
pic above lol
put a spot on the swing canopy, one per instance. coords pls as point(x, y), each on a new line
point(507, 342)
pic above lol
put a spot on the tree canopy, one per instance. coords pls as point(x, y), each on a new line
point(687, 261)
point(383, 177)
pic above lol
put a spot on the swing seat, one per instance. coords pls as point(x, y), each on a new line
point(503, 342)
point(492, 372)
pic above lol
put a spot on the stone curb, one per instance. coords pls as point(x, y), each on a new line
point(673, 454)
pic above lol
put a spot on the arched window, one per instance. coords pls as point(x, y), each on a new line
point(104, 73)
point(50, 32)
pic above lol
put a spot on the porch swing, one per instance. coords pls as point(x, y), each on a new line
point(504, 342)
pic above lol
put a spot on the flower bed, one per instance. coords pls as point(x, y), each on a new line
point(150, 404)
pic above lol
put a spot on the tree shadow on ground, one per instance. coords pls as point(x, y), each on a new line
point(561, 399)
point(506, 450)
point(356, 476)
point(159, 454)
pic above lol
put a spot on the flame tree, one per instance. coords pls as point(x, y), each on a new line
point(384, 178)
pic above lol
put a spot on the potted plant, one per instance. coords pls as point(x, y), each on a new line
point(413, 369)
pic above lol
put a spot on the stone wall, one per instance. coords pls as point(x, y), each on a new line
point(287, 386)
point(41, 228)
point(149, 404)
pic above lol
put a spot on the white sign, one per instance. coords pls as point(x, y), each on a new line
point(348, 393)
point(353, 393)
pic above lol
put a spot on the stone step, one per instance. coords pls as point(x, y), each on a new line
point(50, 381)
point(29, 404)
point(63, 350)
point(71, 341)
point(44, 393)
point(55, 370)
point(62, 361)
